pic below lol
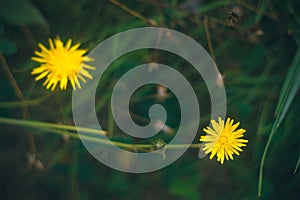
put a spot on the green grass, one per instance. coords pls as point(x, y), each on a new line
point(257, 53)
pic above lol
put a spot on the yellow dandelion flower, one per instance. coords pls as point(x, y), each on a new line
point(61, 64)
point(223, 139)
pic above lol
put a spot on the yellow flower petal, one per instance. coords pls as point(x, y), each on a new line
point(223, 139)
point(62, 64)
point(68, 45)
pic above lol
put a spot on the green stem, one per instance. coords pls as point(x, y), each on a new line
point(263, 159)
point(31, 102)
point(11, 78)
point(61, 130)
point(38, 124)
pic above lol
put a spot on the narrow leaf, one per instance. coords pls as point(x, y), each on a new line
point(297, 165)
point(287, 94)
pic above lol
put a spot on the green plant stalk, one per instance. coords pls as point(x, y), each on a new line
point(262, 163)
point(297, 165)
point(31, 102)
point(41, 125)
point(61, 130)
point(11, 78)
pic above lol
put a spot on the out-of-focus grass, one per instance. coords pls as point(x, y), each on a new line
point(255, 44)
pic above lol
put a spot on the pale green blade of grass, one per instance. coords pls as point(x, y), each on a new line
point(297, 165)
point(291, 81)
point(287, 94)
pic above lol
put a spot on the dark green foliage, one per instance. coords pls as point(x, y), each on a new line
point(256, 47)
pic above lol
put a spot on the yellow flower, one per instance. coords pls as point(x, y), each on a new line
point(223, 139)
point(61, 64)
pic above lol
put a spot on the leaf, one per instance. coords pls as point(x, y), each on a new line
point(288, 92)
point(289, 88)
point(297, 165)
point(21, 12)
point(7, 47)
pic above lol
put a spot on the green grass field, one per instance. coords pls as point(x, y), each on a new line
point(255, 45)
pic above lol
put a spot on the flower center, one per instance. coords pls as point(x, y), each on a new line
point(223, 140)
point(67, 62)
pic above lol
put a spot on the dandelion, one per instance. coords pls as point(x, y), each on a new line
point(223, 140)
point(61, 64)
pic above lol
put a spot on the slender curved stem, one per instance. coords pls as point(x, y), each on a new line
point(64, 130)
point(31, 102)
point(41, 125)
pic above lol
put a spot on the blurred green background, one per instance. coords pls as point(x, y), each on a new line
point(255, 44)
